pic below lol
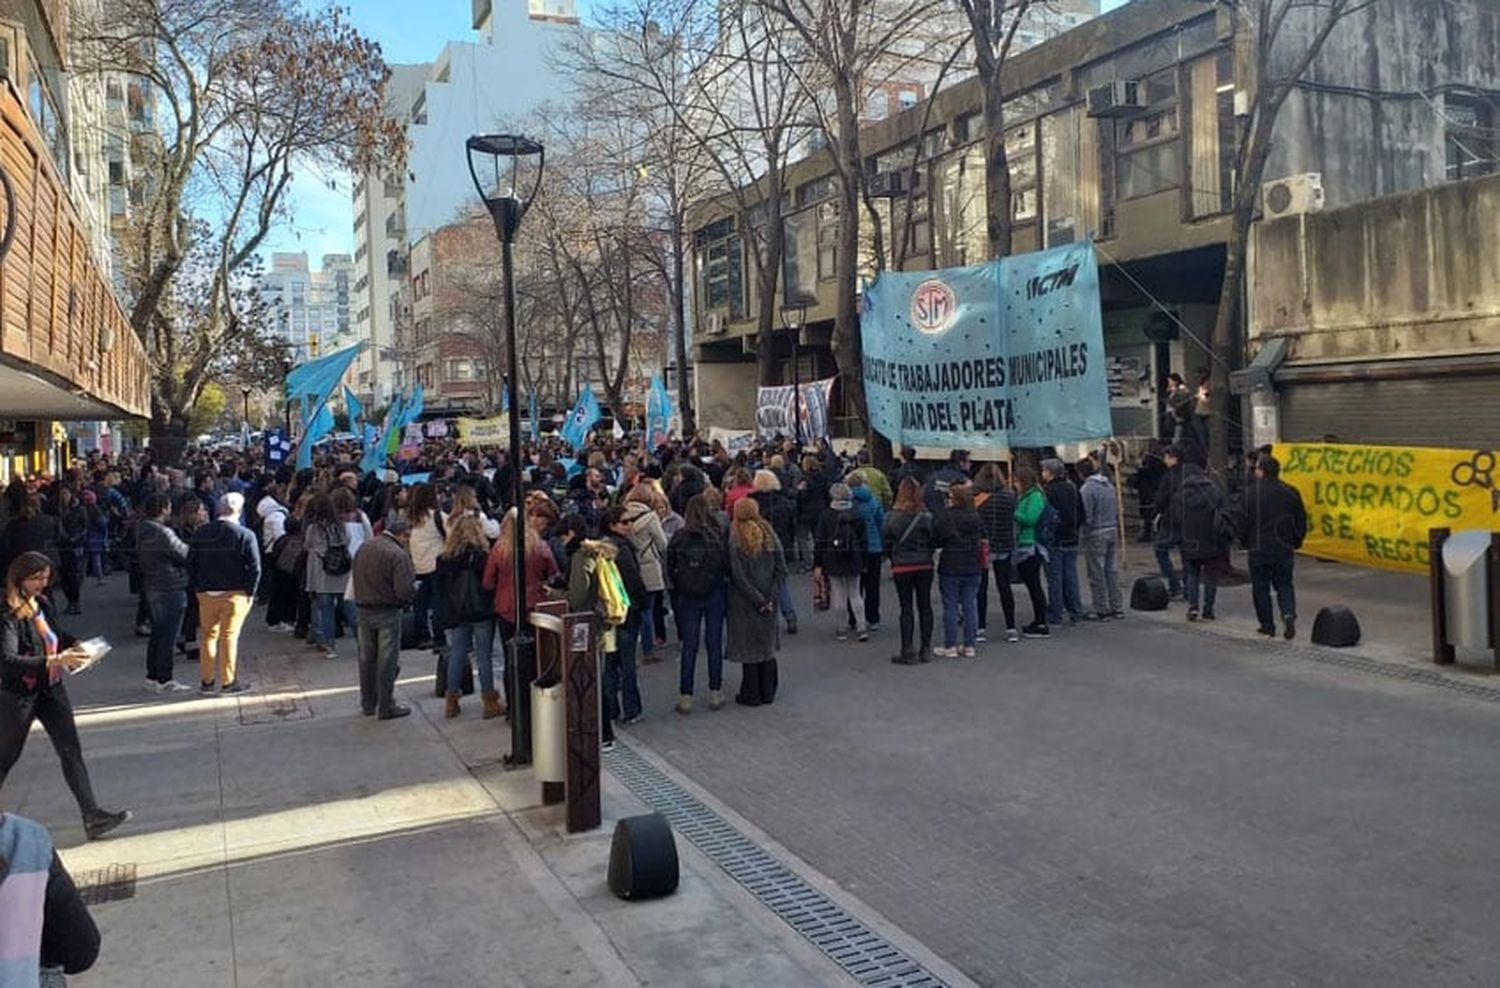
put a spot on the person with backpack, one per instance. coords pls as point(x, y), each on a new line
point(620, 669)
point(757, 568)
point(1036, 521)
point(960, 537)
point(426, 543)
point(1101, 542)
point(1062, 551)
point(839, 556)
point(909, 534)
point(596, 584)
point(698, 569)
point(1273, 529)
point(870, 509)
point(996, 503)
point(326, 572)
point(1207, 530)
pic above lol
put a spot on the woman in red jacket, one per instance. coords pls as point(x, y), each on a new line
point(499, 569)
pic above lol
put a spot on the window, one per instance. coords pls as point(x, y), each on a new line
point(1148, 152)
point(1470, 143)
point(817, 190)
point(460, 369)
point(967, 128)
point(48, 119)
point(721, 268)
point(1020, 153)
point(828, 240)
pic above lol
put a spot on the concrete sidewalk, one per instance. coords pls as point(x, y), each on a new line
point(280, 838)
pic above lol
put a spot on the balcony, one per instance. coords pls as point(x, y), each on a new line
point(69, 351)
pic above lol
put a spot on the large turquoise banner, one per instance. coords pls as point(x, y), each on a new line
point(1008, 353)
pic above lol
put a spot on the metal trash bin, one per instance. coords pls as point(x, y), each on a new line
point(1466, 589)
point(548, 732)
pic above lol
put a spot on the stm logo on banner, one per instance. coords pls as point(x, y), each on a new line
point(934, 307)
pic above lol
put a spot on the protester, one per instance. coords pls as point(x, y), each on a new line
point(224, 566)
point(162, 556)
point(1148, 477)
point(498, 577)
point(779, 512)
point(954, 473)
point(1062, 550)
point(959, 536)
point(812, 501)
point(868, 506)
point(1101, 542)
point(32, 530)
point(737, 484)
point(910, 538)
point(1206, 533)
point(1168, 507)
point(839, 555)
point(996, 503)
point(329, 561)
point(1273, 529)
point(426, 542)
point(275, 524)
point(468, 612)
point(757, 566)
point(649, 542)
point(45, 926)
point(698, 569)
point(384, 583)
point(622, 701)
point(73, 523)
point(1031, 508)
point(35, 655)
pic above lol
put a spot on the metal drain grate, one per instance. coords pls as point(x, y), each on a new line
point(108, 884)
point(1358, 663)
point(278, 694)
point(867, 956)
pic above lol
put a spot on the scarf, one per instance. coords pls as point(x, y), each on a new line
point(27, 609)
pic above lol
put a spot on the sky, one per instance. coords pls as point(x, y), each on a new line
point(321, 213)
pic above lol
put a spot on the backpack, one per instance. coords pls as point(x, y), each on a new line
point(694, 570)
point(614, 601)
point(290, 554)
point(336, 558)
point(1046, 526)
point(844, 546)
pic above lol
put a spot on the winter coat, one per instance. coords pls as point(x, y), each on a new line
point(835, 561)
point(1101, 508)
point(1063, 496)
point(754, 582)
point(23, 657)
point(935, 492)
point(880, 485)
point(456, 605)
point(630, 574)
point(1204, 511)
point(958, 535)
point(997, 518)
point(779, 512)
point(910, 540)
point(317, 539)
point(697, 563)
point(273, 516)
point(40, 533)
point(649, 542)
point(1275, 520)
point(1168, 505)
point(425, 544)
point(812, 498)
point(223, 556)
point(868, 506)
point(692, 484)
point(733, 496)
point(1029, 510)
point(162, 558)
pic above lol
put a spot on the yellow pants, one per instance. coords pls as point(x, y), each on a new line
point(220, 618)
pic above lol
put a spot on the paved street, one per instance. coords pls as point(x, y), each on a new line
point(1127, 804)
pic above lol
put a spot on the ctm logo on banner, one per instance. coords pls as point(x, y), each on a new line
point(1008, 353)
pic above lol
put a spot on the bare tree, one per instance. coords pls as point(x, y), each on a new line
point(250, 89)
point(1286, 38)
point(852, 45)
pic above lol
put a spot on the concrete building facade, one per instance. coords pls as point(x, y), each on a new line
point(1381, 112)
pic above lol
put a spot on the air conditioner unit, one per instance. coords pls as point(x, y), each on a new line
point(1121, 98)
point(1292, 195)
point(714, 324)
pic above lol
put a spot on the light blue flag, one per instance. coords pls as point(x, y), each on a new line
point(1004, 354)
point(582, 418)
point(411, 479)
point(369, 434)
point(658, 413)
point(318, 378)
point(413, 410)
point(320, 426)
point(536, 417)
point(355, 409)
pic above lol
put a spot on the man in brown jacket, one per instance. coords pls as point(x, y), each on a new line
point(384, 582)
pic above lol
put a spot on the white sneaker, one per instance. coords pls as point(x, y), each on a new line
point(152, 686)
point(1012, 635)
point(943, 652)
point(173, 686)
point(283, 627)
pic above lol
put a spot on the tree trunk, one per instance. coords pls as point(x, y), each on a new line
point(679, 326)
point(1226, 338)
point(998, 224)
point(847, 348)
point(169, 436)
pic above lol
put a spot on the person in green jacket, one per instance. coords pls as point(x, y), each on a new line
point(1031, 504)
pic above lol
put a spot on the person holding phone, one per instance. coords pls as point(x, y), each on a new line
point(35, 654)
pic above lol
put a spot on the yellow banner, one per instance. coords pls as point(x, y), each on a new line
point(1373, 505)
point(484, 432)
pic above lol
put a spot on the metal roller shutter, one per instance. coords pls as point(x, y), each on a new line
point(1456, 412)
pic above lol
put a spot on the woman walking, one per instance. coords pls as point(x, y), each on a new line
point(757, 567)
point(35, 652)
point(910, 533)
point(698, 568)
point(1031, 504)
point(959, 537)
point(498, 576)
point(996, 504)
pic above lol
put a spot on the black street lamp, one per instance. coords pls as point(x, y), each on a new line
point(507, 208)
point(793, 317)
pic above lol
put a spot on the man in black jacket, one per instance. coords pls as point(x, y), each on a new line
point(162, 558)
point(1275, 523)
point(224, 566)
point(1062, 562)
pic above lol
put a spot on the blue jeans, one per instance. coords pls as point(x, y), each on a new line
point(425, 607)
point(1168, 573)
point(622, 691)
point(960, 592)
point(703, 615)
point(1196, 573)
point(325, 621)
point(1062, 585)
point(788, 609)
point(167, 609)
point(480, 635)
